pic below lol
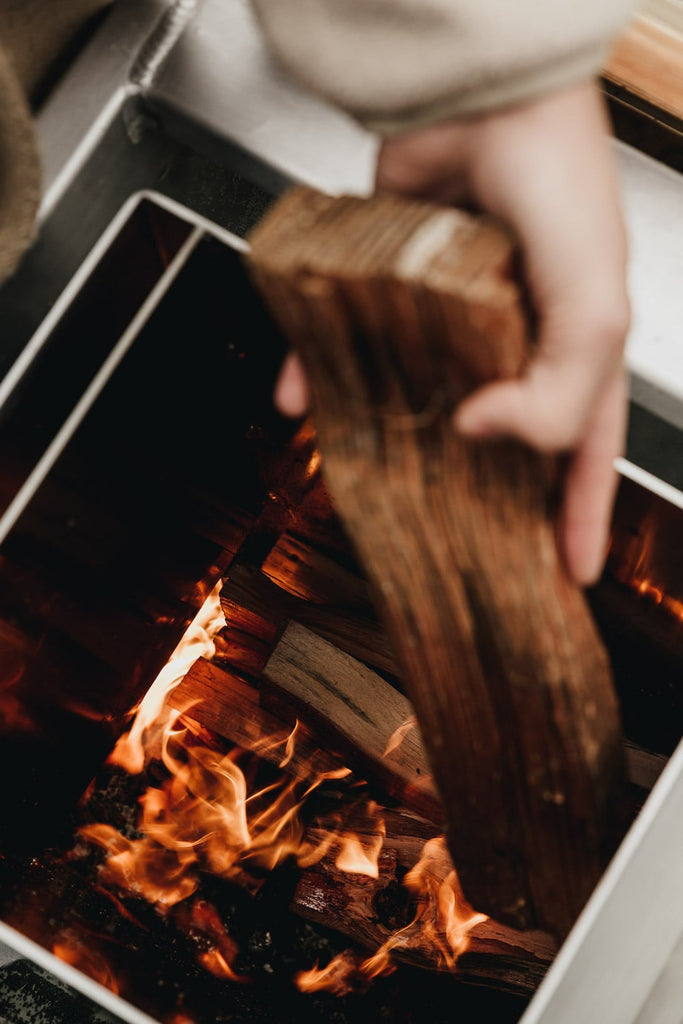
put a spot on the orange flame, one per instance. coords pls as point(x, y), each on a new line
point(443, 919)
point(75, 952)
point(444, 916)
point(219, 958)
point(204, 819)
point(360, 859)
point(659, 597)
point(139, 867)
point(153, 716)
point(634, 562)
point(339, 977)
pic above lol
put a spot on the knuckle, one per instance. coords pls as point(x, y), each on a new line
point(612, 321)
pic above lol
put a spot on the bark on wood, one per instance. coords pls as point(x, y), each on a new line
point(353, 905)
point(398, 309)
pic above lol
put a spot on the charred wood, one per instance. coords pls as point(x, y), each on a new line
point(371, 912)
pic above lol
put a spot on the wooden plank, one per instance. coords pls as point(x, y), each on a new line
point(647, 60)
point(364, 717)
point(399, 309)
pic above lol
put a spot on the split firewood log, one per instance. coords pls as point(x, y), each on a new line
point(495, 954)
point(249, 590)
point(398, 309)
point(337, 725)
point(354, 904)
point(356, 712)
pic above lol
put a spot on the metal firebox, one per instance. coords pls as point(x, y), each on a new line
point(167, 139)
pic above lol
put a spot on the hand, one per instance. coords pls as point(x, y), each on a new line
point(547, 169)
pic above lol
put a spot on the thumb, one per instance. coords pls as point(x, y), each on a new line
point(291, 392)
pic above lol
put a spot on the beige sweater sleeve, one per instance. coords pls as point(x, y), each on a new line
point(397, 63)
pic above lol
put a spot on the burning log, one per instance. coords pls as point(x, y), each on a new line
point(234, 709)
point(353, 712)
point(367, 910)
point(354, 631)
point(362, 908)
point(398, 310)
point(230, 707)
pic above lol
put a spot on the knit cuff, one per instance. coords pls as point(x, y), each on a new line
point(19, 170)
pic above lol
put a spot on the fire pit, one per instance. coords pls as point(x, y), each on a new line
point(155, 491)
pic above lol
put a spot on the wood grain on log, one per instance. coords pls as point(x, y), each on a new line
point(305, 572)
point(230, 707)
point(399, 309)
point(361, 715)
point(350, 629)
point(234, 709)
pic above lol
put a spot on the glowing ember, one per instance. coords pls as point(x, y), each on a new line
point(72, 950)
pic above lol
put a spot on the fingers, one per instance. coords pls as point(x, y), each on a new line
point(291, 392)
point(590, 482)
point(551, 406)
point(542, 410)
point(590, 487)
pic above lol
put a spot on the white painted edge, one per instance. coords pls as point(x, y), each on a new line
point(594, 912)
point(57, 311)
point(185, 213)
point(100, 995)
point(91, 393)
point(649, 482)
